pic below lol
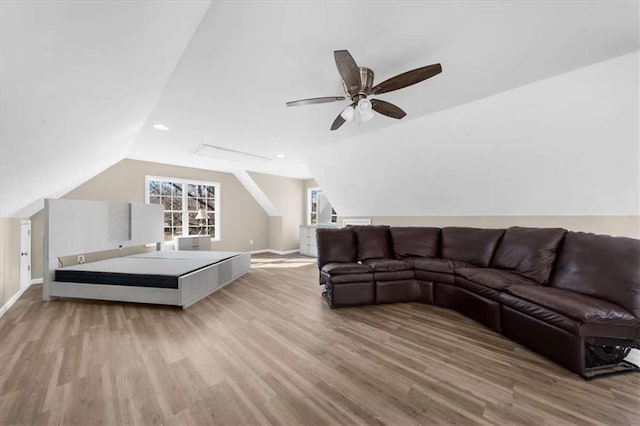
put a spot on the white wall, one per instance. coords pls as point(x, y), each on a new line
point(567, 145)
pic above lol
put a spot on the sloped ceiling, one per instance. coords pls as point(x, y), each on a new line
point(567, 145)
point(87, 80)
point(79, 80)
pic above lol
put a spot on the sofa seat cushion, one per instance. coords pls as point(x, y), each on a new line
point(494, 278)
point(436, 277)
point(326, 278)
point(432, 264)
point(540, 313)
point(393, 276)
point(582, 308)
point(387, 265)
point(478, 289)
point(337, 268)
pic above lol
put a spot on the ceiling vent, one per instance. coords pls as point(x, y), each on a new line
point(229, 154)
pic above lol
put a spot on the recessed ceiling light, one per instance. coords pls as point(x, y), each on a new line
point(279, 155)
point(160, 126)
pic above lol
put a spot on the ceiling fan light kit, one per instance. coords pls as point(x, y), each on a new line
point(358, 87)
point(348, 113)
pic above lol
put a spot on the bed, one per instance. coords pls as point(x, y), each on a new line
point(179, 278)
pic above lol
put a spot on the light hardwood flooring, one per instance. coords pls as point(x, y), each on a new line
point(266, 349)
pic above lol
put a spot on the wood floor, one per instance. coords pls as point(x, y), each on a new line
point(267, 350)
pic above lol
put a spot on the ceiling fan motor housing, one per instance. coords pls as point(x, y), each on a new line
point(366, 83)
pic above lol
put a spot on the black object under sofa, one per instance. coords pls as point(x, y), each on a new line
point(571, 296)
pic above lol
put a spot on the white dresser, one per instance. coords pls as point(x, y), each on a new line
point(308, 245)
point(193, 242)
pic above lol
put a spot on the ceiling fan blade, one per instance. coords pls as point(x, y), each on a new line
point(339, 121)
point(407, 79)
point(348, 70)
point(388, 109)
point(312, 101)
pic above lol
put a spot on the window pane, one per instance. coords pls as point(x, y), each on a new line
point(165, 188)
point(334, 219)
point(193, 230)
point(154, 188)
point(154, 200)
point(211, 191)
point(167, 219)
point(191, 190)
point(177, 189)
point(177, 203)
point(178, 230)
point(202, 190)
point(314, 201)
point(192, 204)
point(177, 220)
point(314, 220)
point(168, 234)
point(167, 203)
point(192, 219)
point(211, 205)
point(211, 230)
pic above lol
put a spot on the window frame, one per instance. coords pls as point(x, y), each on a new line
point(185, 206)
point(310, 191)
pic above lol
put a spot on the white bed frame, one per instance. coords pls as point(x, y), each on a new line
point(73, 227)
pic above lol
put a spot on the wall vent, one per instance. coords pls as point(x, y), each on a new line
point(229, 154)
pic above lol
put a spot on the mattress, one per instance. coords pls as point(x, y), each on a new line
point(160, 269)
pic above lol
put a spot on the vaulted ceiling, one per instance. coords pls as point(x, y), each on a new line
point(84, 82)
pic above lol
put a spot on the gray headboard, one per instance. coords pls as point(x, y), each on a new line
point(76, 227)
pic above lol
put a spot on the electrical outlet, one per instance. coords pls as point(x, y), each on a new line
point(81, 259)
point(250, 242)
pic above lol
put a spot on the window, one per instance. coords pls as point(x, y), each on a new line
point(182, 200)
point(315, 205)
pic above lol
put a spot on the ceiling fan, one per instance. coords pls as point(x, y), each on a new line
point(358, 86)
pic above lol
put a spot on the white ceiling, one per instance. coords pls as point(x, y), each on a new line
point(78, 81)
point(248, 58)
point(83, 82)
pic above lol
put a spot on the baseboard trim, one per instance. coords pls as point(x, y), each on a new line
point(280, 252)
point(16, 296)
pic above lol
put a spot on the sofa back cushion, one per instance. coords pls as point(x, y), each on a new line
point(415, 241)
point(335, 245)
point(471, 245)
point(600, 266)
point(529, 252)
point(374, 242)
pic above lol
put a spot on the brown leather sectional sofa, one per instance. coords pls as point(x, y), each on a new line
point(571, 296)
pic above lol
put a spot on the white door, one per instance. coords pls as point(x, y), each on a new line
point(25, 253)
